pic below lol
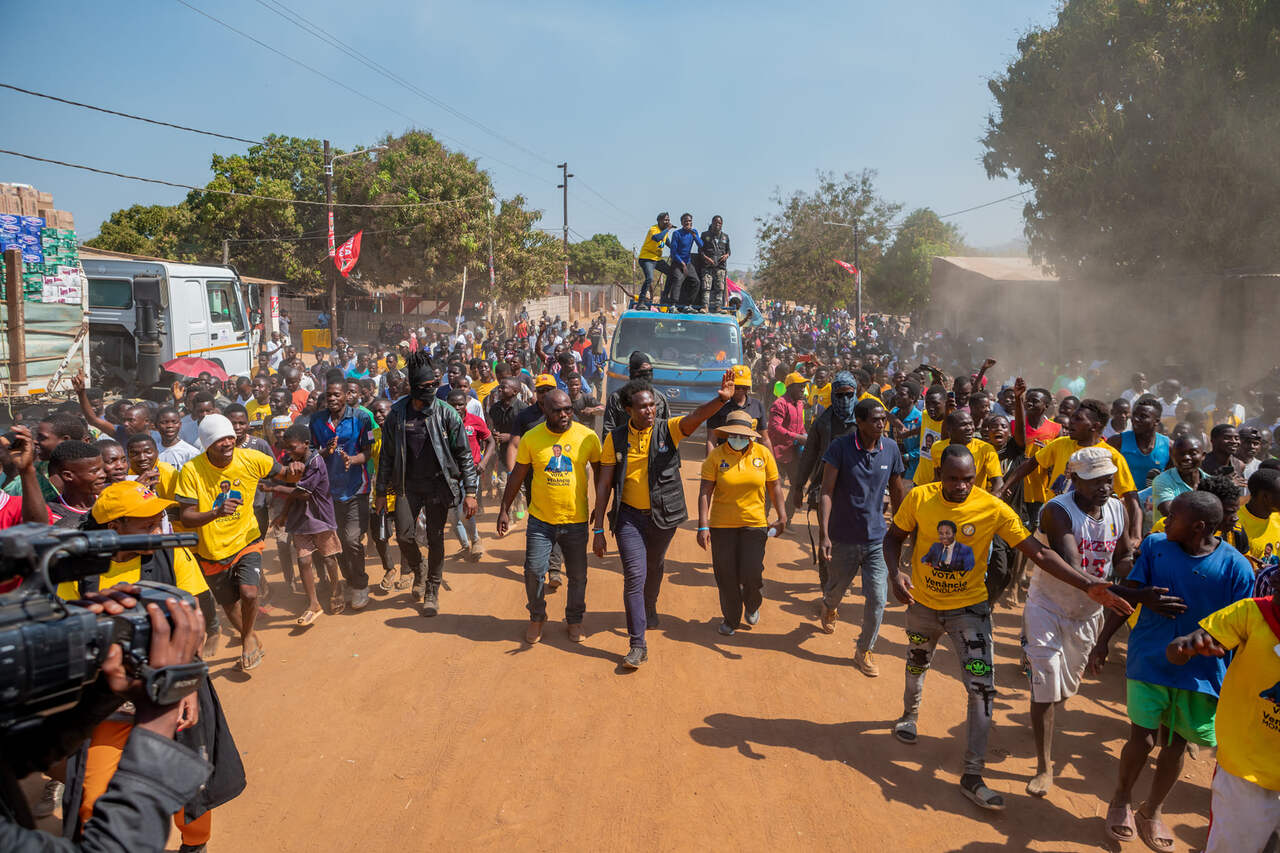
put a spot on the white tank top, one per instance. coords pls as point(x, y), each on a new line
point(1096, 540)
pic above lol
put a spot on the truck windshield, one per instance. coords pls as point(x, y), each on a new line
point(678, 342)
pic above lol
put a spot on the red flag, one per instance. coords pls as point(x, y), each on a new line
point(348, 254)
point(849, 268)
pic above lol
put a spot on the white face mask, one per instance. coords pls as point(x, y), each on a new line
point(739, 442)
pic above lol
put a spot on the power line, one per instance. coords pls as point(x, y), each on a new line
point(987, 204)
point(320, 33)
point(304, 237)
point(130, 115)
point(356, 92)
point(233, 192)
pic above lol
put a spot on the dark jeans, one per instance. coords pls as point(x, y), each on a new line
point(642, 547)
point(646, 288)
point(353, 520)
point(713, 286)
point(673, 292)
point(436, 516)
point(540, 538)
point(737, 559)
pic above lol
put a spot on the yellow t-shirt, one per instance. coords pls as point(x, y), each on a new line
point(651, 251)
point(205, 486)
point(740, 478)
point(259, 417)
point(483, 389)
point(949, 575)
point(930, 431)
point(1053, 457)
point(635, 488)
point(820, 396)
point(558, 462)
point(186, 571)
point(1264, 538)
point(985, 459)
point(1247, 723)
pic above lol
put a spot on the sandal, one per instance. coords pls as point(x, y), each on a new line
point(979, 794)
point(1153, 832)
point(309, 617)
point(1121, 818)
point(905, 731)
point(389, 580)
point(252, 659)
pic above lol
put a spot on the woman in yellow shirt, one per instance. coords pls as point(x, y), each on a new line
point(640, 463)
point(732, 517)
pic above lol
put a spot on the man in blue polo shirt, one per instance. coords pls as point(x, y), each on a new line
point(344, 435)
point(858, 468)
point(682, 242)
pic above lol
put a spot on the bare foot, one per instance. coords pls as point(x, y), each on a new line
point(1040, 784)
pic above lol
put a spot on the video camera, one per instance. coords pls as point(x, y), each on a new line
point(49, 650)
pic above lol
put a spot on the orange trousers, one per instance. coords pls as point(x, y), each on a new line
point(105, 749)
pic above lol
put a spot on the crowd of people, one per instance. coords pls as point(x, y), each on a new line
point(951, 483)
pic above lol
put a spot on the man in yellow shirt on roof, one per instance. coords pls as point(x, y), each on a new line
point(650, 254)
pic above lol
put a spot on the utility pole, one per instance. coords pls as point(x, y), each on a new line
point(564, 170)
point(333, 277)
point(858, 275)
point(226, 252)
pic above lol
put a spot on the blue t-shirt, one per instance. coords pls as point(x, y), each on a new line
point(1140, 464)
point(1207, 584)
point(857, 501)
point(355, 435)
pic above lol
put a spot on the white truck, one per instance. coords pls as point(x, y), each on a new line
point(143, 312)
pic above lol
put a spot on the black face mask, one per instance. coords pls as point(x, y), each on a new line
point(642, 374)
point(422, 385)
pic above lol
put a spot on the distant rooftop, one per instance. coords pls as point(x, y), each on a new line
point(1000, 269)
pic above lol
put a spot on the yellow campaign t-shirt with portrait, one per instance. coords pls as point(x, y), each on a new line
point(635, 488)
point(259, 417)
point(1248, 716)
point(200, 483)
point(985, 460)
point(740, 478)
point(930, 431)
point(558, 463)
point(946, 575)
point(1055, 455)
point(1264, 538)
point(820, 396)
point(483, 389)
point(186, 573)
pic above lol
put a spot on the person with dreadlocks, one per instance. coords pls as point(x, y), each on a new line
point(426, 463)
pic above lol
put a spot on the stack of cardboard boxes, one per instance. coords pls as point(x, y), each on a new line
point(51, 270)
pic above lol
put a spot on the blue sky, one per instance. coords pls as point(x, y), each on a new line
point(659, 106)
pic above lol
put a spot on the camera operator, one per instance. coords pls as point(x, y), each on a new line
point(155, 777)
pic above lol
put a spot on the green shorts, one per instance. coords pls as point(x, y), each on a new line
point(1186, 712)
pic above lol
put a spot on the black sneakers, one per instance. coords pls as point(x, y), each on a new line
point(431, 602)
point(635, 657)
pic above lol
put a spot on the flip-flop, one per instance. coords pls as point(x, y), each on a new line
point(252, 659)
point(309, 617)
point(1121, 817)
point(1152, 831)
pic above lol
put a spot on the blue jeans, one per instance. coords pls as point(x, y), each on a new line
point(846, 562)
point(572, 539)
point(646, 287)
point(642, 546)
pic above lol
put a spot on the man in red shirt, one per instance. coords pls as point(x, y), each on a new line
point(786, 423)
point(483, 447)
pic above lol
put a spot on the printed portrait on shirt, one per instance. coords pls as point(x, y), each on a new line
point(225, 493)
point(948, 555)
point(559, 463)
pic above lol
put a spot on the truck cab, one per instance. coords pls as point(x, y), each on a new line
point(145, 312)
point(689, 352)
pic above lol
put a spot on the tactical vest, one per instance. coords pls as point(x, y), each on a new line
point(666, 491)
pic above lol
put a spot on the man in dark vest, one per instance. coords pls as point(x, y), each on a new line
point(641, 470)
point(640, 366)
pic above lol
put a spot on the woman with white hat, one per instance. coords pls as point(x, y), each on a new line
point(732, 517)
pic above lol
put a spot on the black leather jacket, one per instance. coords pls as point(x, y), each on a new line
point(448, 440)
point(809, 469)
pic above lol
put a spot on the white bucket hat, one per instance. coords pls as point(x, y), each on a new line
point(1090, 463)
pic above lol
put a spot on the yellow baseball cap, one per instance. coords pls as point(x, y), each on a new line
point(128, 499)
point(742, 375)
point(795, 378)
point(544, 380)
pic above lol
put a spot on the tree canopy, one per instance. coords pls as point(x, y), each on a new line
point(901, 280)
point(1147, 129)
point(600, 260)
point(422, 248)
point(797, 251)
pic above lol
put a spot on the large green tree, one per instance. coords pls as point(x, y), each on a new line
point(600, 260)
point(1148, 130)
point(428, 214)
point(901, 280)
point(798, 252)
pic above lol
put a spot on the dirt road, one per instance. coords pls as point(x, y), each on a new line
point(385, 730)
